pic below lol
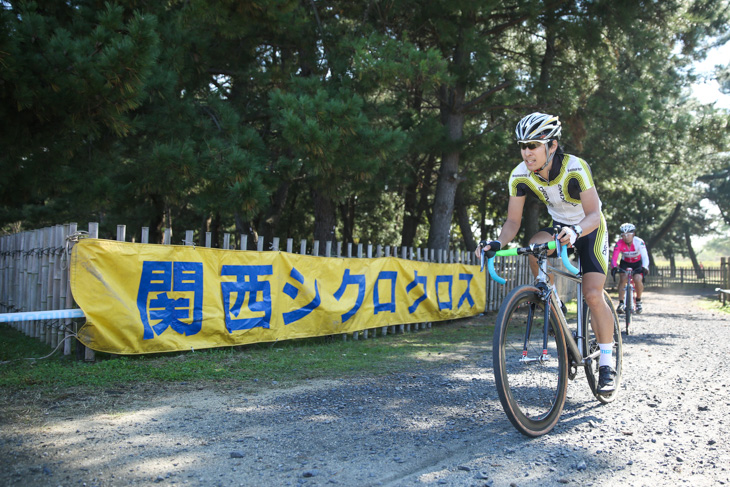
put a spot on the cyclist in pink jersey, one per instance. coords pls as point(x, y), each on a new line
point(633, 255)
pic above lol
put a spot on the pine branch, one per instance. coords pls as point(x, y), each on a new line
point(468, 105)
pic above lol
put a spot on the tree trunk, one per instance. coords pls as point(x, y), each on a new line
point(269, 225)
point(448, 180)
point(158, 220)
point(666, 227)
point(416, 200)
point(462, 216)
point(443, 204)
point(325, 218)
point(482, 210)
point(543, 83)
point(205, 228)
point(410, 215)
point(215, 230)
point(246, 228)
point(693, 257)
point(347, 213)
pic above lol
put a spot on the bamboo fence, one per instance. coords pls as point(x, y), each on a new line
point(34, 275)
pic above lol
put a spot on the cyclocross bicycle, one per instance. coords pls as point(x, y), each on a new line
point(535, 352)
point(629, 296)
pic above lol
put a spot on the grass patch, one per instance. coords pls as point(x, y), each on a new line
point(714, 304)
point(284, 362)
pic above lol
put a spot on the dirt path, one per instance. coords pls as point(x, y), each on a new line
point(441, 427)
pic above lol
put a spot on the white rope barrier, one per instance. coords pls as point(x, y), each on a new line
point(41, 315)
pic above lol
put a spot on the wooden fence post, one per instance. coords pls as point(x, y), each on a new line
point(89, 355)
point(35, 276)
point(47, 289)
point(69, 302)
point(59, 288)
point(725, 277)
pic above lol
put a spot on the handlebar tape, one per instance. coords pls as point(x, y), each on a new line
point(563, 250)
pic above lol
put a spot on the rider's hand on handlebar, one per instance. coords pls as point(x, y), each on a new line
point(567, 236)
point(490, 248)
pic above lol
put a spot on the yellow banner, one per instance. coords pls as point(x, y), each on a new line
point(143, 298)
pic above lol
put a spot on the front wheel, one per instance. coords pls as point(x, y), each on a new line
point(591, 365)
point(629, 297)
point(531, 385)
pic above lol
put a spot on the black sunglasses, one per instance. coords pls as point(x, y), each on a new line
point(530, 145)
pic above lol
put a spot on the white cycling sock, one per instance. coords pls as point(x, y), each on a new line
point(606, 357)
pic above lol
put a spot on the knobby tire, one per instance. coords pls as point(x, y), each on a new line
point(532, 394)
point(629, 299)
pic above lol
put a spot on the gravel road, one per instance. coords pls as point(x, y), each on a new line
point(444, 426)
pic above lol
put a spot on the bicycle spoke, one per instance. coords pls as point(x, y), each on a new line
point(531, 380)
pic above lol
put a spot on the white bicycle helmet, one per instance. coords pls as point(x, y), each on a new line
point(627, 228)
point(538, 126)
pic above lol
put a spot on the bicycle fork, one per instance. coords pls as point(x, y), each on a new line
point(549, 298)
point(544, 357)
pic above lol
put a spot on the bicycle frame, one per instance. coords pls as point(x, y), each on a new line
point(547, 294)
point(575, 342)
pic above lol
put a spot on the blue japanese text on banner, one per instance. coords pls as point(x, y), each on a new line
point(140, 298)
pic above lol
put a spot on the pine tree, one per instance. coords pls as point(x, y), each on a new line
point(72, 75)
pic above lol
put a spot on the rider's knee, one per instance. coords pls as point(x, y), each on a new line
point(593, 296)
point(541, 237)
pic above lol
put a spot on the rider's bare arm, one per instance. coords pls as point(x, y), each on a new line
point(592, 219)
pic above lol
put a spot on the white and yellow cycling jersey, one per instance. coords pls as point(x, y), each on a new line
point(569, 176)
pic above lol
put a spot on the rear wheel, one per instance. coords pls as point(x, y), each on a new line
point(591, 345)
point(531, 386)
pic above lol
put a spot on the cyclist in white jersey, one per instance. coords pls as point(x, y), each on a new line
point(565, 184)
